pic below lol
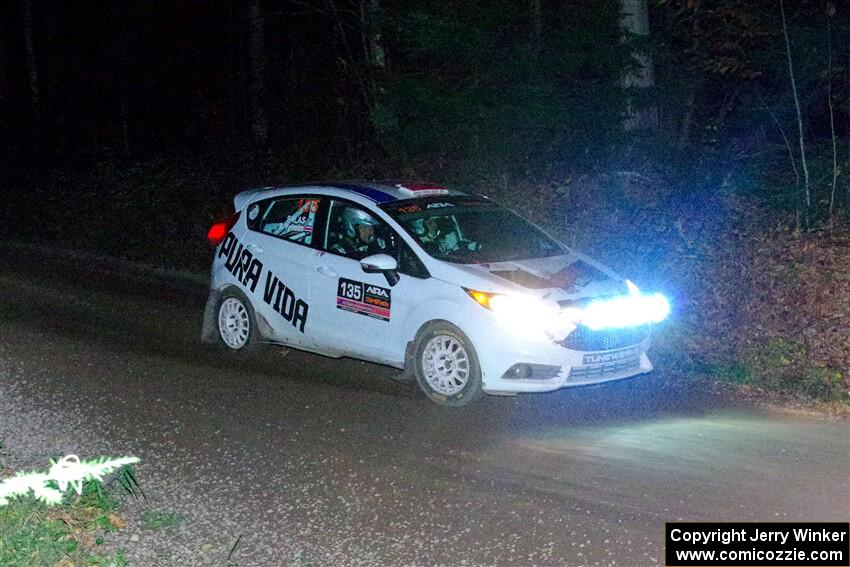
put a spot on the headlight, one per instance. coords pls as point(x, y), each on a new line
point(524, 315)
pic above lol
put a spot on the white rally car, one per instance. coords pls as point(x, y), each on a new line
point(461, 293)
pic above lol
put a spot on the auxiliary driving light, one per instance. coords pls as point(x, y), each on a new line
point(626, 311)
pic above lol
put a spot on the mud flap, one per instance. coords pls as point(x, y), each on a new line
point(408, 375)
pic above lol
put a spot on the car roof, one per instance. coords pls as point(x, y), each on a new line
point(379, 192)
point(389, 191)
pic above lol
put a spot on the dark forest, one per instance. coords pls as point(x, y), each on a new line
point(262, 283)
point(703, 144)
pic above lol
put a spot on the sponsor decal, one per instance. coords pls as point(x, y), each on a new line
point(612, 356)
point(247, 269)
point(240, 262)
point(253, 212)
point(307, 209)
point(308, 205)
point(298, 227)
point(365, 299)
point(283, 300)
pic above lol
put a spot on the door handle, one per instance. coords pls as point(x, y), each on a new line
point(254, 248)
point(325, 271)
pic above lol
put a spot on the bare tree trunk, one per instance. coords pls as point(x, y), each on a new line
point(797, 106)
point(124, 118)
point(373, 42)
point(382, 114)
point(635, 20)
point(258, 57)
point(235, 79)
point(786, 140)
point(831, 115)
point(726, 108)
point(122, 36)
point(687, 120)
point(3, 87)
point(32, 70)
point(536, 11)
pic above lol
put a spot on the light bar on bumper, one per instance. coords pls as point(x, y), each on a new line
point(625, 310)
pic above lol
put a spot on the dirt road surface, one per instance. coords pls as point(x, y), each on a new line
point(314, 461)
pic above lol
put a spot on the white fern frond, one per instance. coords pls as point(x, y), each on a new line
point(68, 471)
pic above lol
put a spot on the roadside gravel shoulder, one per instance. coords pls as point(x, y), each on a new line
point(39, 419)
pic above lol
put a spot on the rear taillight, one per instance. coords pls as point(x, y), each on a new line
point(220, 229)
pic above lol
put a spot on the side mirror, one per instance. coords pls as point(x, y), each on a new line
point(381, 263)
point(378, 263)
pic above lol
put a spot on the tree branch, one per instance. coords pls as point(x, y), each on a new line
point(797, 106)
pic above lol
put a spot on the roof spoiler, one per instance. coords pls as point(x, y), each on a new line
point(245, 197)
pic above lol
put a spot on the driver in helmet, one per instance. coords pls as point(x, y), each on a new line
point(359, 238)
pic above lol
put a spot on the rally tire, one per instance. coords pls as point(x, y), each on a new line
point(236, 323)
point(446, 366)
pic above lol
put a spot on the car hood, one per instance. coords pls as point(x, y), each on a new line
point(571, 276)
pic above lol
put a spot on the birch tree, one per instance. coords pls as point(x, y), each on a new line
point(635, 24)
point(3, 86)
point(259, 59)
point(32, 68)
point(382, 114)
point(536, 13)
point(801, 129)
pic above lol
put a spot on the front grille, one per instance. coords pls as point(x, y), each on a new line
point(586, 339)
point(602, 371)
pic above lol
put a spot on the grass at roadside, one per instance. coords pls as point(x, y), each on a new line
point(35, 534)
point(812, 383)
point(160, 519)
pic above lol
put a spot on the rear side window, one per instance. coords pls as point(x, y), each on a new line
point(289, 218)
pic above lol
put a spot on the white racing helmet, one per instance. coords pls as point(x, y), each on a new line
point(353, 217)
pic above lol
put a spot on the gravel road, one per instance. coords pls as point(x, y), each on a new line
point(315, 461)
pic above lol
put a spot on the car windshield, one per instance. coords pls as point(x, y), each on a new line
point(470, 230)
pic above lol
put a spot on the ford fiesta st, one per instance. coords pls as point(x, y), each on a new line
point(456, 290)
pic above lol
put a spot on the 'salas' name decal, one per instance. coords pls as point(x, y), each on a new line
point(247, 269)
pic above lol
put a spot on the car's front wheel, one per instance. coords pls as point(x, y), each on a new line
point(236, 323)
point(447, 366)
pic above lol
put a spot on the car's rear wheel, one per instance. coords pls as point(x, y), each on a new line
point(236, 323)
point(446, 365)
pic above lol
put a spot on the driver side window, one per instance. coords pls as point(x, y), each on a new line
point(345, 237)
point(354, 232)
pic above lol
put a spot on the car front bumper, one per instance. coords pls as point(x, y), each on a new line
point(563, 367)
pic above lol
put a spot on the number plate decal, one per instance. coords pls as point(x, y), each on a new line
point(363, 298)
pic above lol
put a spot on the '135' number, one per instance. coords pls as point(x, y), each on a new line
point(351, 290)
